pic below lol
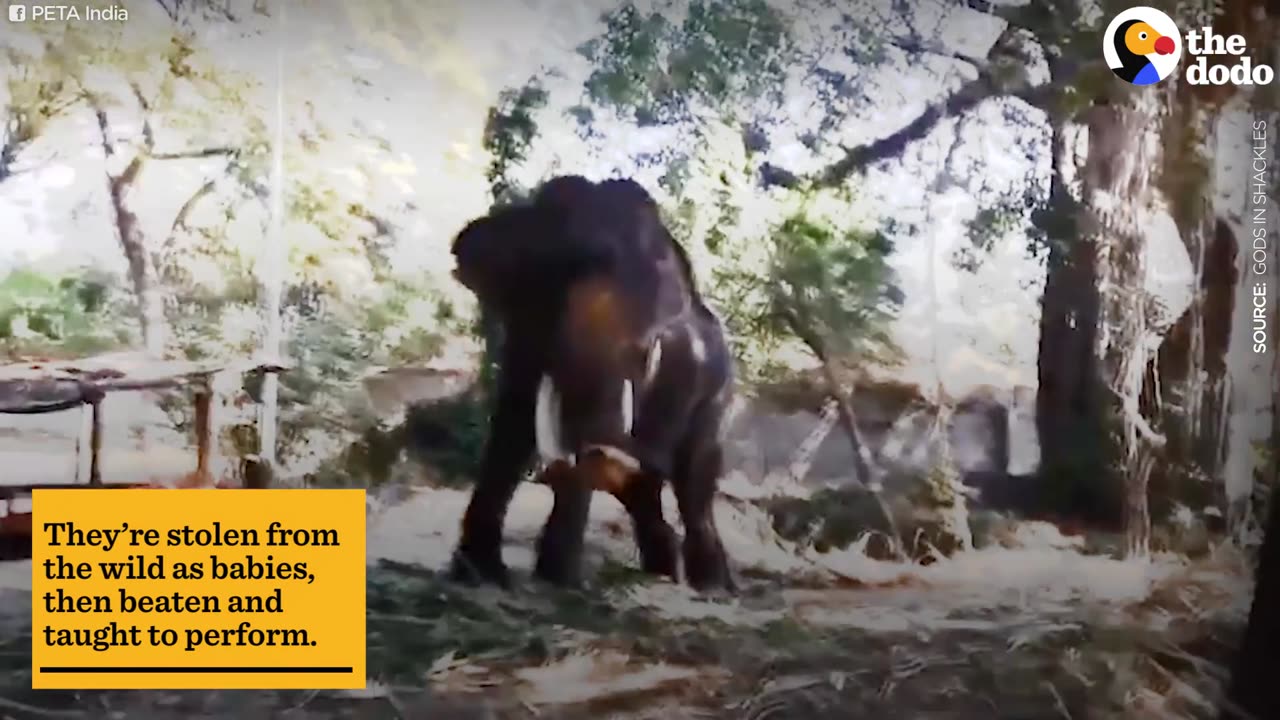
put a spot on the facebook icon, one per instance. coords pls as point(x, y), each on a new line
point(17, 13)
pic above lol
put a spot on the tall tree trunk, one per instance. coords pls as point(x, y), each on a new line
point(121, 176)
point(1190, 371)
point(1253, 676)
point(1067, 403)
point(1122, 202)
point(142, 253)
point(1251, 392)
point(147, 290)
point(142, 265)
point(1210, 389)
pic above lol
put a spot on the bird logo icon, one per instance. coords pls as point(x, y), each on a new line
point(1142, 46)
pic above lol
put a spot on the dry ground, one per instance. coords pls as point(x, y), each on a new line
point(1038, 630)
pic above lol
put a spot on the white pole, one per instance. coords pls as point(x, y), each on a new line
point(273, 260)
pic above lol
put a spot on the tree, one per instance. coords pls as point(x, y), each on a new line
point(42, 316)
point(833, 291)
point(169, 115)
point(1253, 674)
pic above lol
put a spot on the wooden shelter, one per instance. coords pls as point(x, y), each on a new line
point(48, 387)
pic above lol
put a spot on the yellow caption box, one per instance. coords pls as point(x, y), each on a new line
point(211, 589)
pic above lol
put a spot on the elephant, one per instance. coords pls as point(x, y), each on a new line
point(612, 367)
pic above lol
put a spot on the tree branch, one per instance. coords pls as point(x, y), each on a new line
point(1129, 406)
point(968, 97)
point(170, 8)
point(130, 173)
point(104, 129)
point(148, 135)
point(197, 153)
point(180, 220)
point(149, 138)
point(973, 93)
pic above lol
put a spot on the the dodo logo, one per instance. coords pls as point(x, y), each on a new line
point(1142, 45)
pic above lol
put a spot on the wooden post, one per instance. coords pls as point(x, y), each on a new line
point(204, 428)
point(257, 474)
point(95, 444)
point(84, 444)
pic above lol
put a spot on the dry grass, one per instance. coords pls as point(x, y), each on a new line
point(1032, 628)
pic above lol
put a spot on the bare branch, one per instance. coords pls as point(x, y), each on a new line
point(170, 8)
point(973, 93)
point(1129, 406)
point(8, 153)
point(104, 128)
point(148, 136)
point(130, 173)
point(180, 220)
point(381, 226)
point(893, 145)
point(198, 153)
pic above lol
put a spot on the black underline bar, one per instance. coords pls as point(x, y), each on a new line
point(225, 669)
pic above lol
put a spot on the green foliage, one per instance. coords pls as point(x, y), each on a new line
point(629, 61)
point(1077, 43)
point(449, 435)
point(833, 519)
point(508, 132)
point(371, 459)
point(832, 290)
point(989, 225)
point(334, 345)
point(66, 315)
point(721, 53)
point(663, 66)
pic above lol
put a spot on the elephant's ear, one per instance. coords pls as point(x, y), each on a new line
point(492, 251)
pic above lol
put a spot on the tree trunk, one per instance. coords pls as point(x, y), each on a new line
point(1123, 204)
point(1068, 414)
point(148, 293)
point(1189, 392)
point(802, 459)
point(1216, 395)
point(1253, 678)
point(121, 176)
point(948, 493)
point(862, 462)
point(1212, 408)
point(142, 266)
point(1251, 394)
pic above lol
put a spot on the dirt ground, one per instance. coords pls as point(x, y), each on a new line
point(1038, 631)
